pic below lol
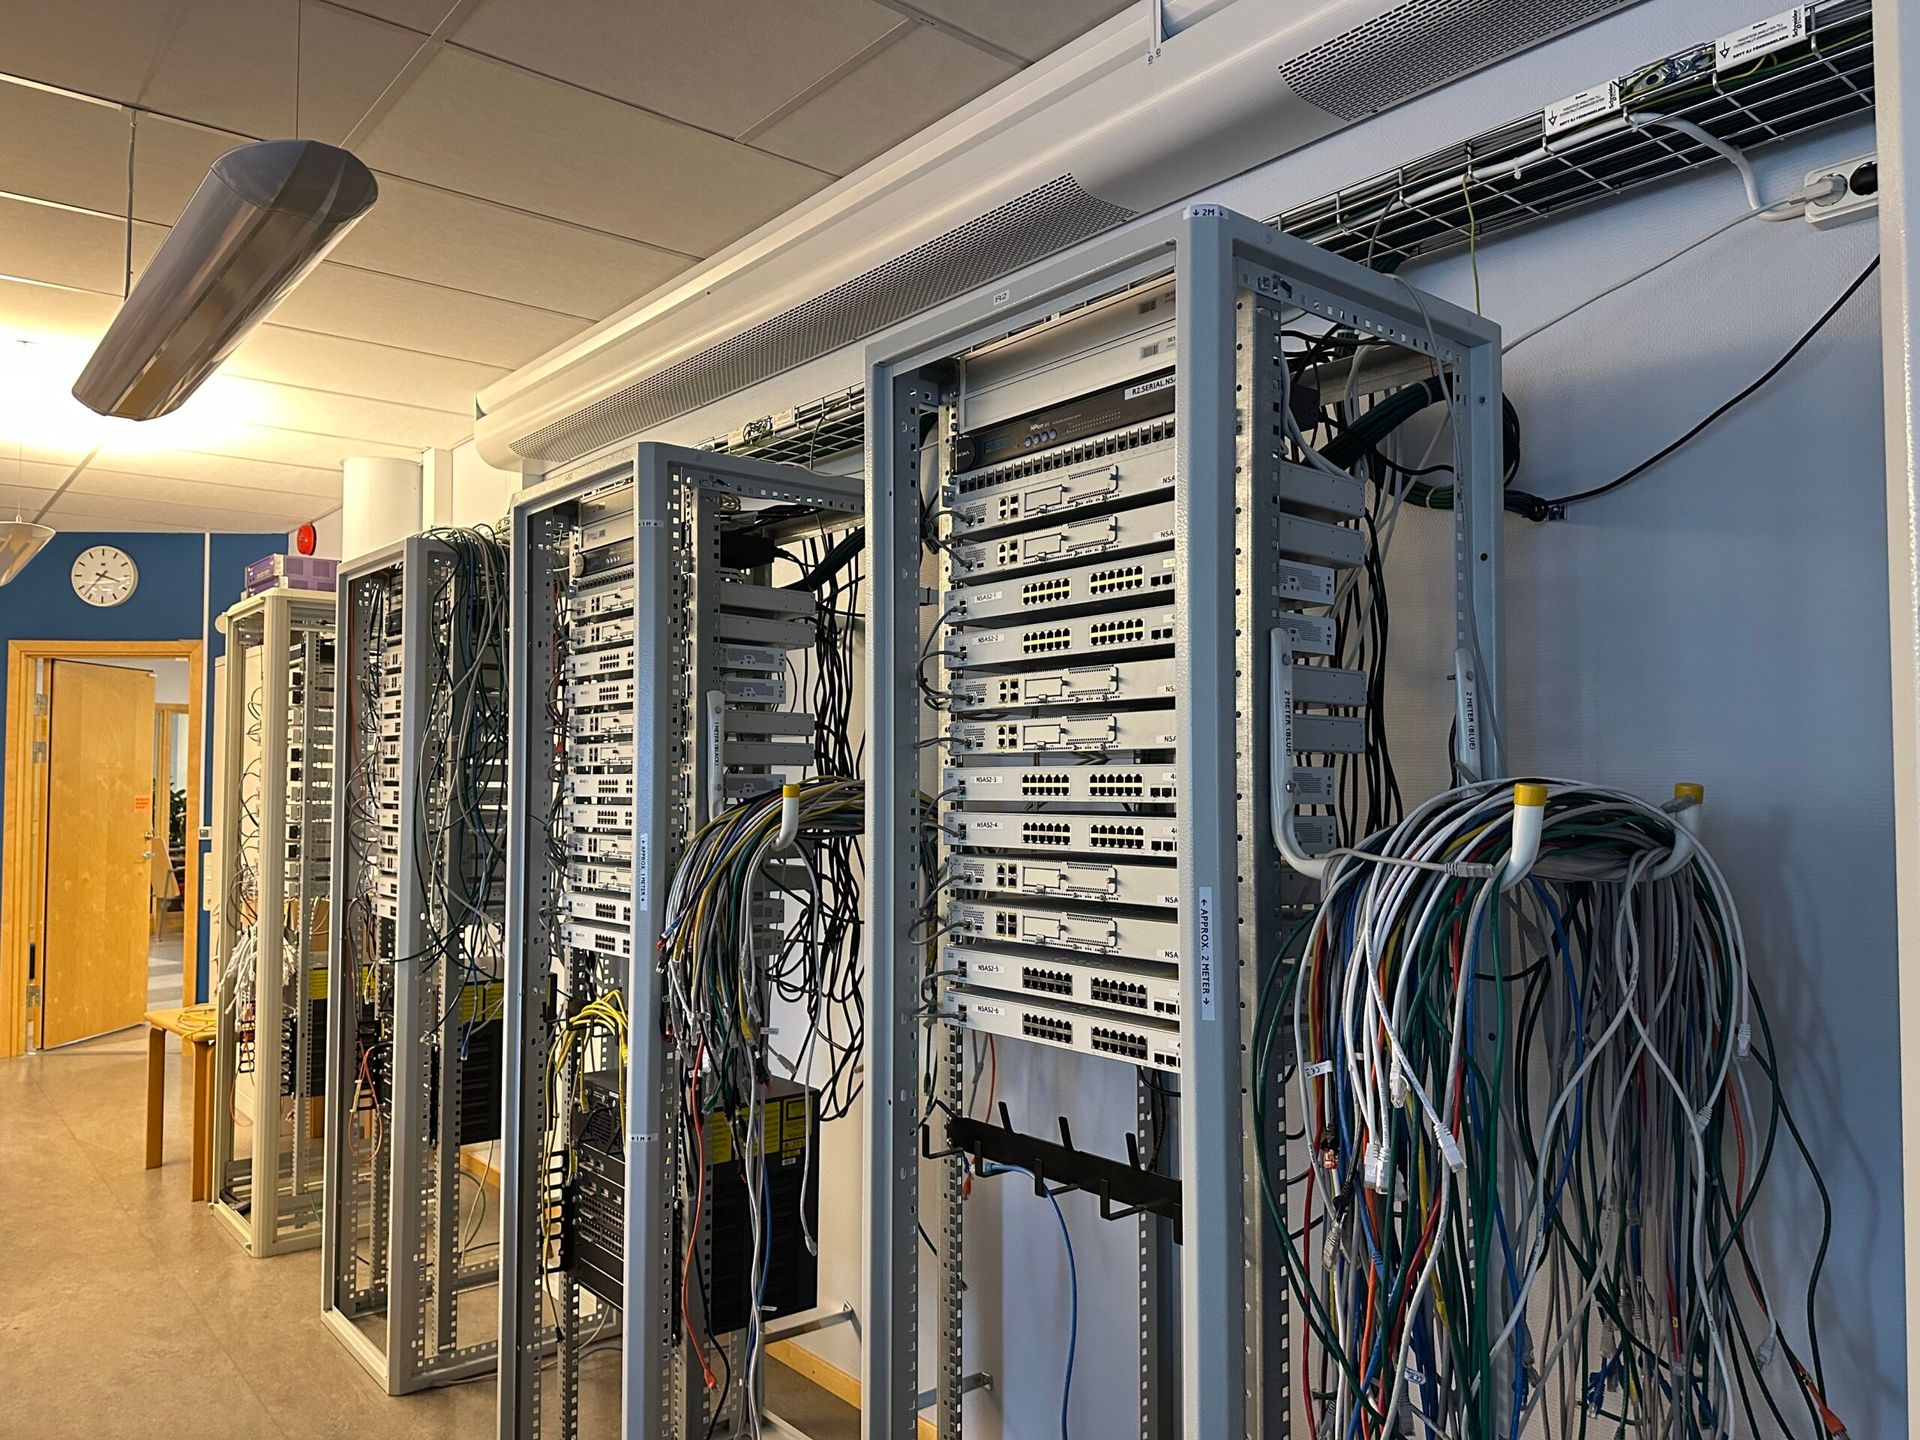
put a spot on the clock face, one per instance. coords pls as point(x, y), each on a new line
point(104, 575)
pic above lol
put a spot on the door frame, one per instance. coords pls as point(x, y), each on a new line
point(24, 802)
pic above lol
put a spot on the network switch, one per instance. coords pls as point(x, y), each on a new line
point(1136, 1039)
point(1063, 638)
point(1106, 931)
point(1097, 731)
point(1116, 532)
point(1135, 580)
point(1063, 832)
point(1149, 989)
point(1069, 784)
point(1003, 498)
point(1121, 882)
point(1116, 682)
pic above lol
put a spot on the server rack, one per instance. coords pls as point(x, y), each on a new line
point(413, 1046)
point(1133, 573)
point(272, 857)
point(650, 693)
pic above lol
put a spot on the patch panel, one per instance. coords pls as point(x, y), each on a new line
point(597, 939)
point(1068, 784)
point(1121, 882)
point(1112, 983)
point(1130, 580)
point(580, 816)
point(1141, 1040)
point(1114, 533)
point(602, 909)
point(1095, 932)
point(1078, 479)
point(601, 694)
point(1091, 732)
point(1136, 837)
point(599, 661)
point(1120, 682)
point(1110, 632)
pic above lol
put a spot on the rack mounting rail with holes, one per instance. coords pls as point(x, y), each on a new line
point(271, 854)
point(414, 1028)
point(663, 678)
point(1104, 639)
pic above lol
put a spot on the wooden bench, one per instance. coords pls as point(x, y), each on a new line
point(195, 1026)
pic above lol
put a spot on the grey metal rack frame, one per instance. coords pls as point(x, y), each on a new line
point(676, 494)
point(270, 1197)
point(397, 1306)
point(1233, 277)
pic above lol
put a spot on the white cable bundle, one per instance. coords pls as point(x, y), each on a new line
point(1524, 1081)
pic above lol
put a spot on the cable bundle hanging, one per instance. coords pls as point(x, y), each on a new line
point(720, 983)
point(1494, 1250)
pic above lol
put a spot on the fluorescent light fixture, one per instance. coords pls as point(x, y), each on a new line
point(262, 219)
point(20, 541)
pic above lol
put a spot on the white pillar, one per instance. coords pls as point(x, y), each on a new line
point(379, 503)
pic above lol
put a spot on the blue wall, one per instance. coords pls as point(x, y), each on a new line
point(174, 601)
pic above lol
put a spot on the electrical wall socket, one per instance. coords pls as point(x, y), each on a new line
point(1860, 198)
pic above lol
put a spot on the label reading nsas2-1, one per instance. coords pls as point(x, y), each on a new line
point(1203, 927)
point(1147, 387)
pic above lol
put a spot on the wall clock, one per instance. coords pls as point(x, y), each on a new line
point(104, 575)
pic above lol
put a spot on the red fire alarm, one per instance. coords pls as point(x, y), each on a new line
point(304, 539)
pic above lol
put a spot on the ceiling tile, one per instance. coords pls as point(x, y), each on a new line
point(311, 481)
point(346, 63)
point(314, 452)
point(112, 512)
point(1023, 26)
point(56, 148)
point(98, 47)
point(170, 161)
point(40, 310)
point(228, 63)
point(62, 247)
point(284, 407)
point(125, 485)
point(913, 82)
point(358, 367)
point(362, 305)
point(474, 125)
point(418, 15)
point(667, 57)
point(475, 245)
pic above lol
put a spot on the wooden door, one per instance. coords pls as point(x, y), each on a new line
point(98, 828)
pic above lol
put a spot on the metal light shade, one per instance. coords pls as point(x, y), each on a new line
point(263, 217)
point(20, 541)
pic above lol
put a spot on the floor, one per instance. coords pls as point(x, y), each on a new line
point(135, 1313)
point(166, 960)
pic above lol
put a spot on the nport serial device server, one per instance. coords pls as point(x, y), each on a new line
point(1118, 681)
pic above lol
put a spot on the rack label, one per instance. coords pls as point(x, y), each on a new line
point(642, 874)
point(1203, 926)
point(1761, 38)
point(1577, 110)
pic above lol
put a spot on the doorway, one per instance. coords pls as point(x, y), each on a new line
point(101, 866)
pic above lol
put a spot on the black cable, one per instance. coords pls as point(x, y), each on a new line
point(1557, 505)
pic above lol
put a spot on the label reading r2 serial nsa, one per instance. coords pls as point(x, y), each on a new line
point(1203, 925)
point(1147, 387)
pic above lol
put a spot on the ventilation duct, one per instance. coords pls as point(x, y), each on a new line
point(1071, 146)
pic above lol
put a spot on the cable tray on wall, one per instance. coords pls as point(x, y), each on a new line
point(1513, 175)
point(1383, 222)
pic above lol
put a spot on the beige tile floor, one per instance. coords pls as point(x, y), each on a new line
point(127, 1310)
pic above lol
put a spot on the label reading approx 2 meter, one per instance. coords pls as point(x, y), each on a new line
point(1578, 110)
point(1759, 39)
point(1203, 926)
point(642, 877)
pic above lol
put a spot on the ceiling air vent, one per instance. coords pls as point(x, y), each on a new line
point(1422, 44)
point(1030, 227)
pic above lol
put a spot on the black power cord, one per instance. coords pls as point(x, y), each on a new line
point(1557, 506)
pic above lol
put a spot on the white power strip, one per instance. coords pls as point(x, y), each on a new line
point(1854, 197)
